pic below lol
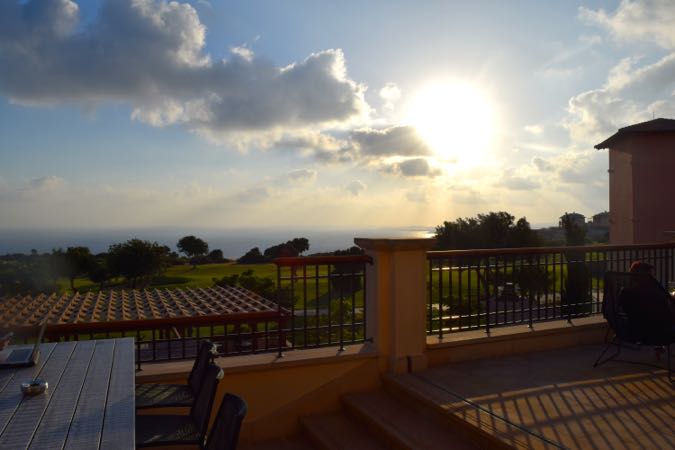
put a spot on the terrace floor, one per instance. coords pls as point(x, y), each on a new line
point(556, 399)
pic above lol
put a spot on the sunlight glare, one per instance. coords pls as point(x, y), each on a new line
point(454, 118)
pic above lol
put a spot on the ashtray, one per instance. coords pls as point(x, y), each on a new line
point(34, 387)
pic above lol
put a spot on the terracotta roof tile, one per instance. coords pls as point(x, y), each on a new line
point(134, 305)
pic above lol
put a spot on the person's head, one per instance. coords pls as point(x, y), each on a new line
point(643, 272)
point(641, 267)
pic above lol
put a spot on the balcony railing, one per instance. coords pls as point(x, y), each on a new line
point(482, 289)
point(325, 299)
point(320, 302)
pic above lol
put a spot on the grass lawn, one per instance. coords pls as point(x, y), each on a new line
point(185, 276)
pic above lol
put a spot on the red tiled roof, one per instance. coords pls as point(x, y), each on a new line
point(652, 126)
point(152, 307)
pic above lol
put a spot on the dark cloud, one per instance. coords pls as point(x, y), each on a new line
point(150, 55)
point(302, 175)
point(393, 141)
point(542, 164)
point(515, 182)
point(416, 167)
point(355, 187)
point(253, 195)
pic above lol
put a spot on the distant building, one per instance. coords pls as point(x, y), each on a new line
point(641, 167)
point(601, 219)
point(577, 219)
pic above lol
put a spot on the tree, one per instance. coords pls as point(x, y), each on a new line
point(253, 256)
point(575, 293)
point(491, 230)
point(78, 261)
point(136, 260)
point(100, 274)
point(289, 248)
point(216, 255)
point(193, 247)
point(575, 234)
point(265, 287)
point(29, 274)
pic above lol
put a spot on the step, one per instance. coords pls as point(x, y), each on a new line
point(299, 442)
point(403, 426)
point(338, 432)
point(471, 424)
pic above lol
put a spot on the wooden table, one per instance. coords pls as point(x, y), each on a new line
point(89, 403)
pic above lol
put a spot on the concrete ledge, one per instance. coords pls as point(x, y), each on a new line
point(502, 341)
point(395, 243)
point(159, 372)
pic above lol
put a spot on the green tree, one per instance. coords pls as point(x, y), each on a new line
point(78, 261)
point(193, 247)
point(137, 260)
point(216, 255)
point(575, 295)
point(575, 234)
point(491, 230)
point(32, 274)
point(252, 256)
point(265, 287)
point(294, 247)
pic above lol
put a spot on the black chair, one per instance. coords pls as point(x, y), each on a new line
point(639, 312)
point(224, 433)
point(158, 430)
point(171, 395)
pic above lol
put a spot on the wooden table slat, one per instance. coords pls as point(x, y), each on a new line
point(27, 416)
point(10, 394)
point(89, 403)
point(54, 426)
point(87, 424)
point(119, 428)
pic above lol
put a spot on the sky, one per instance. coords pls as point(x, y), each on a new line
point(321, 114)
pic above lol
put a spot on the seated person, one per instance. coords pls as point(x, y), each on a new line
point(650, 310)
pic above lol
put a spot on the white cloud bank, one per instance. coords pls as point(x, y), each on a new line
point(150, 54)
point(633, 92)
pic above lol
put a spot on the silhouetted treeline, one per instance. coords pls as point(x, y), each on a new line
point(491, 230)
point(294, 247)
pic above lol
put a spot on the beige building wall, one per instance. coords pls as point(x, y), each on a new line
point(620, 197)
point(642, 189)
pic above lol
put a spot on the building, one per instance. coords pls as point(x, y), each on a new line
point(601, 219)
point(577, 219)
point(641, 161)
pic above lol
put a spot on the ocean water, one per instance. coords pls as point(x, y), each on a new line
point(233, 242)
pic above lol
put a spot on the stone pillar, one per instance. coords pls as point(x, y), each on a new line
point(396, 298)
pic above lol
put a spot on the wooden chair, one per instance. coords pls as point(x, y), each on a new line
point(171, 395)
point(224, 433)
point(158, 430)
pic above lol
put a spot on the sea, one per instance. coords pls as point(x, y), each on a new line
point(233, 242)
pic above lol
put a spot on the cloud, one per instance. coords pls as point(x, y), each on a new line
point(511, 180)
point(651, 20)
point(253, 195)
point(419, 196)
point(415, 167)
point(355, 187)
point(47, 183)
point(630, 95)
point(150, 55)
point(390, 93)
point(536, 130)
point(302, 175)
point(392, 141)
point(542, 164)
point(634, 91)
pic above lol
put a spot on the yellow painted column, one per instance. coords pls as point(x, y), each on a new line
point(396, 298)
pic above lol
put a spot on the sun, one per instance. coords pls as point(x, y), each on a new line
point(454, 118)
